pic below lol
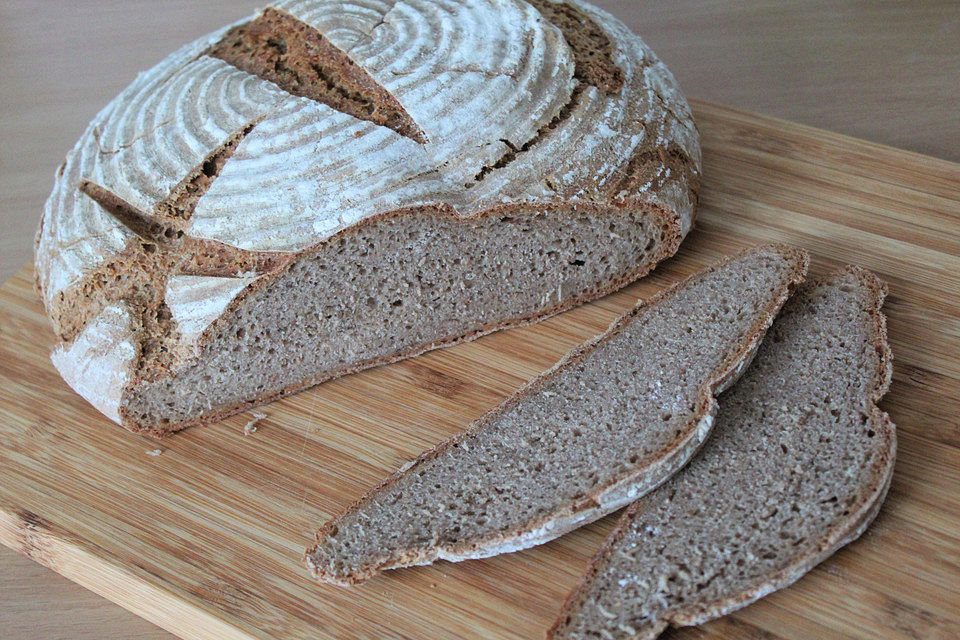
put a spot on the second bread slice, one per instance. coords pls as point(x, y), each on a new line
point(798, 465)
point(616, 417)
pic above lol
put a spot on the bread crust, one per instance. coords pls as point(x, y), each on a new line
point(658, 172)
point(862, 513)
point(622, 490)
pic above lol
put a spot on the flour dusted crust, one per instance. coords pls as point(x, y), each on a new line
point(208, 175)
point(98, 363)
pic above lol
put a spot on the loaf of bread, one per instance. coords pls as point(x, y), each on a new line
point(798, 465)
point(616, 417)
point(330, 185)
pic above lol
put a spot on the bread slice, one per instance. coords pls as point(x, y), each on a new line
point(608, 423)
point(798, 465)
point(330, 186)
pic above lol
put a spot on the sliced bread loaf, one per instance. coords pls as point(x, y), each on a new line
point(608, 423)
point(330, 185)
point(798, 465)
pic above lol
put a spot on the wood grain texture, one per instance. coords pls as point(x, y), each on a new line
point(205, 538)
point(887, 71)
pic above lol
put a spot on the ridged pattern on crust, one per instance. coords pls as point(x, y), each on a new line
point(100, 362)
point(492, 84)
point(840, 532)
point(485, 85)
point(603, 499)
point(141, 135)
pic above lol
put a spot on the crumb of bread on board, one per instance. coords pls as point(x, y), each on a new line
point(251, 425)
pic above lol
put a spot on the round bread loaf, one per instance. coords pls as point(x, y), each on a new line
point(330, 185)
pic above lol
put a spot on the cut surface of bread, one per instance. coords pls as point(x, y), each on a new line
point(334, 184)
point(400, 285)
point(797, 466)
point(608, 423)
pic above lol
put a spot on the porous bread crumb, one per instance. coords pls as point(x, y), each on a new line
point(517, 92)
point(798, 465)
point(586, 438)
point(363, 309)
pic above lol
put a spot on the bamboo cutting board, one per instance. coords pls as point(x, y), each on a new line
point(205, 539)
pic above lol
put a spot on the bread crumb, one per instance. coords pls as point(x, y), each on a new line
point(251, 426)
point(154, 452)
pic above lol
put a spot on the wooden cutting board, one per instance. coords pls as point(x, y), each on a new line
point(205, 539)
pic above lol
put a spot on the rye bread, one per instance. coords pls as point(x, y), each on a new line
point(328, 186)
point(798, 465)
point(613, 419)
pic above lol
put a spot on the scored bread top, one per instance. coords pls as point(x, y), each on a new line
point(262, 139)
point(798, 465)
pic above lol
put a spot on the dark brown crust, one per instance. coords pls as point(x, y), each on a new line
point(590, 45)
point(149, 227)
point(219, 259)
point(184, 197)
point(37, 285)
point(593, 66)
point(667, 220)
point(648, 167)
point(139, 273)
point(843, 532)
point(561, 116)
point(76, 305)
point(705, 406)
point(297, 58)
